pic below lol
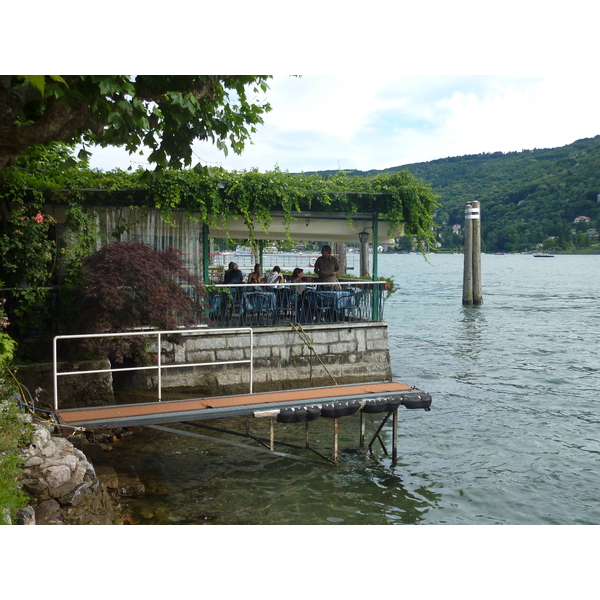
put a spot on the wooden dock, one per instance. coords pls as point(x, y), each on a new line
point(288, 406)
point(227, 406)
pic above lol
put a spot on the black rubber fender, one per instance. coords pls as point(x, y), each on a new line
point(348, 408)
point(339, 409)
point(328, 411)
point(353, 407)
point(376, 406)
point(420, 401)
point(393, 404)
point(292, 415)
point(286, 415)
point(313, 412)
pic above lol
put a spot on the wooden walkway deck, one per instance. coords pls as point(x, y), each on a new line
point(228, 406)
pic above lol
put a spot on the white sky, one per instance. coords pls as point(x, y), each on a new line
point(321, 122)
point(383, 84)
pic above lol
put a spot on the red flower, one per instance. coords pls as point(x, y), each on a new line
point(38, 218)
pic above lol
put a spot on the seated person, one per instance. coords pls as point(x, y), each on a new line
point(233, 274)
point(256, 276)
point(297, 278)
point(274, 276)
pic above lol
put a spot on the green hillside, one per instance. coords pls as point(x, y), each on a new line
point(527, 198)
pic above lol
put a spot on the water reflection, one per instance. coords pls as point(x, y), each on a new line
point(471, 332)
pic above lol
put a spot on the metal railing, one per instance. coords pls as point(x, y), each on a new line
point(159, 366)
point(266, 304)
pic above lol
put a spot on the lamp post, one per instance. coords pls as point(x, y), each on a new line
point(363, 237)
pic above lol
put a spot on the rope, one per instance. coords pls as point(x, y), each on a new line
point(298, 329)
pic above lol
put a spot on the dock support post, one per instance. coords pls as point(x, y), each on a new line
point(468, 264)
point(395, 437)
point(335, 440)
point(272, 434)
point(476, 220)
point(472, 268)
point(361, 441)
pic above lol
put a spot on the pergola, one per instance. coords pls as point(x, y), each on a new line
point(313, 225)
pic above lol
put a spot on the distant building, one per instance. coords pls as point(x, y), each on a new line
point(582, 219)
point(456, 229)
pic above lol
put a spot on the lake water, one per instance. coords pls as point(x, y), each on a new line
point(513, 436)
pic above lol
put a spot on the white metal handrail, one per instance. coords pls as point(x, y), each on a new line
point(159, 364)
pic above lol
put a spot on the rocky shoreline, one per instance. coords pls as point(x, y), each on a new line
point(71, 482)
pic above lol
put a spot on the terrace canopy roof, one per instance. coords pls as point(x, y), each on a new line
point(305, 226)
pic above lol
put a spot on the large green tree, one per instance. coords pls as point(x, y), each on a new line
point(164, 113)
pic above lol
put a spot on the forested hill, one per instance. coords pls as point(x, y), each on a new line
point(526, 197)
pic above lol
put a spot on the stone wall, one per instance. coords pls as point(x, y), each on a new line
point(284, 358)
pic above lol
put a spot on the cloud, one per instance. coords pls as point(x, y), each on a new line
point(345, 121)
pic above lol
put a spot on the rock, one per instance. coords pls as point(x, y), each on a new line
point(49, 449)
point(63, 484)
point(34, 487)
point(26, 516)
point(48, 513)
point(70, 485)
point(71, 462)
point(40, 437)
point(77, 495)
point(57, 475)
point(129, 483)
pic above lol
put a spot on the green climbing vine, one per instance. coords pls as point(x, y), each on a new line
point(211, 195)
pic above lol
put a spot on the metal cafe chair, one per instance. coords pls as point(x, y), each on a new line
point(218, 310)
point(325, 306)
point(285, 306)
point(348, 305)
point(258, 308)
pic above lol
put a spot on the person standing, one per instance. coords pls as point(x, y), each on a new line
point(327, 266)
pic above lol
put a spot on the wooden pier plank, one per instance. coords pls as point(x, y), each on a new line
point(214, 406)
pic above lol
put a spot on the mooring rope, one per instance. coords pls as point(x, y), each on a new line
point(298, 329)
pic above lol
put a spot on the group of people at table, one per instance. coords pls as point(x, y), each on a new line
point(326, 268)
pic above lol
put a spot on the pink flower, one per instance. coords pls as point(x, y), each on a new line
point(22, 218)
point(38, 218)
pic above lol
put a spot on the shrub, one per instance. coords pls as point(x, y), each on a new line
point(129, 285)
point(15, 435)
point(28, 259)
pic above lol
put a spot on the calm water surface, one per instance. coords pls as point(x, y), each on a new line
point(513, 436)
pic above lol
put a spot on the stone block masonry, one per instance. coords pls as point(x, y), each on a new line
point(284, 358)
